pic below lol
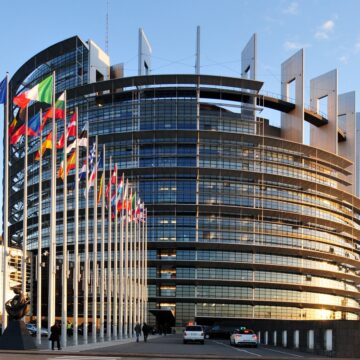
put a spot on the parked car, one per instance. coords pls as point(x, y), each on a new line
point(32, 328)
point(193, 333)
point(243, 337)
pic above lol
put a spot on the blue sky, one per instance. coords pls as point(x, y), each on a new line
point(328, 30)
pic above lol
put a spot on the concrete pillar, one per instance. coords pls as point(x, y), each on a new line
point(292, 123)
point(328, 340)
point(248, 59)
point(310, 339)
point(325, 137)
point(296, 339)
point(347, 124)
point(275, 338)
point(266, 338)
point(284, 338)
point(259, 337)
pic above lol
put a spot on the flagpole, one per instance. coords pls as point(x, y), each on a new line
point(87, 262)
point(131, 254)
point(76, 242)
point(115, 318)
point(52, 244)
point(138, 265)
point(65, 266)
point(121, 265)
point(6, 209)
point(108, 287)
point(39, 259)
point(134, 268)
point(146, 287)
point(143, 264)
point(95, 273)
point(126, 280)
point(102, 269)
point(24, 244)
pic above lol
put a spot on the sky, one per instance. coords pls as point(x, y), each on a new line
point(328, 30)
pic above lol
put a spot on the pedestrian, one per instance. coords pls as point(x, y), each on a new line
point(55, 335)
point(145, 330)
point(137, 331)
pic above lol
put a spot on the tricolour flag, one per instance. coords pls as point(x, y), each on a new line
point(82, 173)
point(47, 144)
point(100, 188)
point(3, 86)
point(12, 127)
point(59, 110)
point(71, 163)
point(16, 136)
point(41, 92)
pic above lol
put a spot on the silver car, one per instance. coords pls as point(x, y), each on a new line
point(194, 333)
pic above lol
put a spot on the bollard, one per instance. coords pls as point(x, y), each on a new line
point(296, 339)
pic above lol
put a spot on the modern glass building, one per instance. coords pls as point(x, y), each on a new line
point(246, 220)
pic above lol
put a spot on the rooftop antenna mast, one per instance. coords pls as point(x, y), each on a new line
point(107, 28)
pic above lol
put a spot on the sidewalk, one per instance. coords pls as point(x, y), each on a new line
point(82, 345)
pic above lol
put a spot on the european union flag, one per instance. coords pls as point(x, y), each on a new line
point(3, 92)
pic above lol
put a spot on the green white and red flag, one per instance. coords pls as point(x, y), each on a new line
point(41, 92)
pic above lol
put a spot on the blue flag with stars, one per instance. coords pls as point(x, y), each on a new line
point(3, 91)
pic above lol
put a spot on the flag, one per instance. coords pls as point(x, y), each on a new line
point(47, 144)
point(12, 127)
point(41, 92)
point(71, 131)
point(34, 125)
point(3, 86)
point(92, 156)
point(93, 172)
point(82, 173)
point(112, 180)
point(133, 206)
point(138, 209)
point(123, 203)
point(71, 163)
point(83, 138)
point(61, 171)
point(16, 136)
point(120, 188)
point(59, 110)
point(81, 141)
point(100, 188)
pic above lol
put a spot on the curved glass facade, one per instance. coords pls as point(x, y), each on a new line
point(241, 224)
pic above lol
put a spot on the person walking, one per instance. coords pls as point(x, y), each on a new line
point(55, 335)
point(137, 331)
point(145, 330)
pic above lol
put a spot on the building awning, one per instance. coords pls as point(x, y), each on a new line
point(166, 315)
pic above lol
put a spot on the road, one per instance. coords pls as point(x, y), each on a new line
point(172, 344)
point(167, 347)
